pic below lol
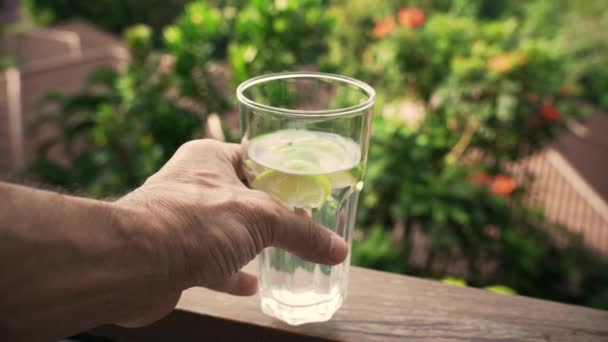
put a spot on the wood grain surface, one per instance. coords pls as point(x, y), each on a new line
point(381, 307)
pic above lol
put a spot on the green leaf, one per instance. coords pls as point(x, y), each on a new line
point(51, 172)
point(505, 107)
point(139, 40)
point(501, 289)
point(454, 281)
point(53, 97)
point(102, 76)
point(459, 215)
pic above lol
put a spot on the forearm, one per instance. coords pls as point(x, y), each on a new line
point(68, 264)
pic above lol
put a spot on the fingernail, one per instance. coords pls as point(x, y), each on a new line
point(338, 249)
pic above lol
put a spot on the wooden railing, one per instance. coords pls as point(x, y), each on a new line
point(380, 307)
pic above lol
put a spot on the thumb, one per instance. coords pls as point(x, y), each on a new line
point(299, 234)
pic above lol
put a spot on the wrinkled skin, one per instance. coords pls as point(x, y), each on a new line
point(209, 225)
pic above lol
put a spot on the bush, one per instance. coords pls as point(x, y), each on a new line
point(119, 130)
point(475, 220)
point(277, 36)
point(112, 15)
point(193, 44)
point(254, 37)
point(461, 99)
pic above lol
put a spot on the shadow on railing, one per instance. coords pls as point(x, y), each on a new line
point(380, 307)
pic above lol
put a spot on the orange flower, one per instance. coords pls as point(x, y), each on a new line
point(567, 89)
point(500, 63)
point(503, 185)
point(411, 17)
point(505, 62)
point(384, 27)
point(479, 178)
point(549, 112)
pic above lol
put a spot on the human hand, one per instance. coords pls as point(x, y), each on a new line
point(209, 225)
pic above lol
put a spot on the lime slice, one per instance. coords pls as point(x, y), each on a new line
point(253, 166)
point(295, 191)
point(317, 145)
point(308, 147)
point(301, 166)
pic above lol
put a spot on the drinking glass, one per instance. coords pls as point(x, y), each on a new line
point(305, 142)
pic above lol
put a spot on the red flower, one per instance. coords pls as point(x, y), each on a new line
point(479, 178)
point(503, 185)
point(384, 27)
point(411, 17)
point(549, 112)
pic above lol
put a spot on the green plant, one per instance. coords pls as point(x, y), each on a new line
point(350, 37)
point(193, 43)
point(254, 37)
point(378, 251)
point(6, 63)
point(112, 15)
point(461, 98)
point(117, 131)
point(467, 217)
point(487, 79)
point(277, 36)
point(501, 289)
point(589, 56)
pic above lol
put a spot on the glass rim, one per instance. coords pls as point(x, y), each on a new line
point(367, 89)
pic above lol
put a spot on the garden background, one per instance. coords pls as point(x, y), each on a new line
point(466, 89)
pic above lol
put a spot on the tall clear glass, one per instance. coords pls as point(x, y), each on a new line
point(305, 141)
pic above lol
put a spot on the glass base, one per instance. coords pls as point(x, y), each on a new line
point(296, 315)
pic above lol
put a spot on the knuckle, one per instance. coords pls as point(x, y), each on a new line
point(314, 235)
point(198, 144)
point(261, 196)
point(317, 237)
point(245, 208)
point(259, 214)
point(248, 219)
point(189, 145)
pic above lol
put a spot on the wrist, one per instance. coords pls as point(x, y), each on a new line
point(149, 237)
point(91, 262)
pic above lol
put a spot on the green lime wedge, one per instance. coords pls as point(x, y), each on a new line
point(295, 191)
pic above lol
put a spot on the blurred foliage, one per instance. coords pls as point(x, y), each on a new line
point(466, 216)
point(194, 43)
point(254, 37)
point(481, 77)
point(111, 15)
point(501, 289)
point(251, 37)
point(262, 28)
point(465, 88)
point(463, 93)
point(120, 129)
point(6, 62)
